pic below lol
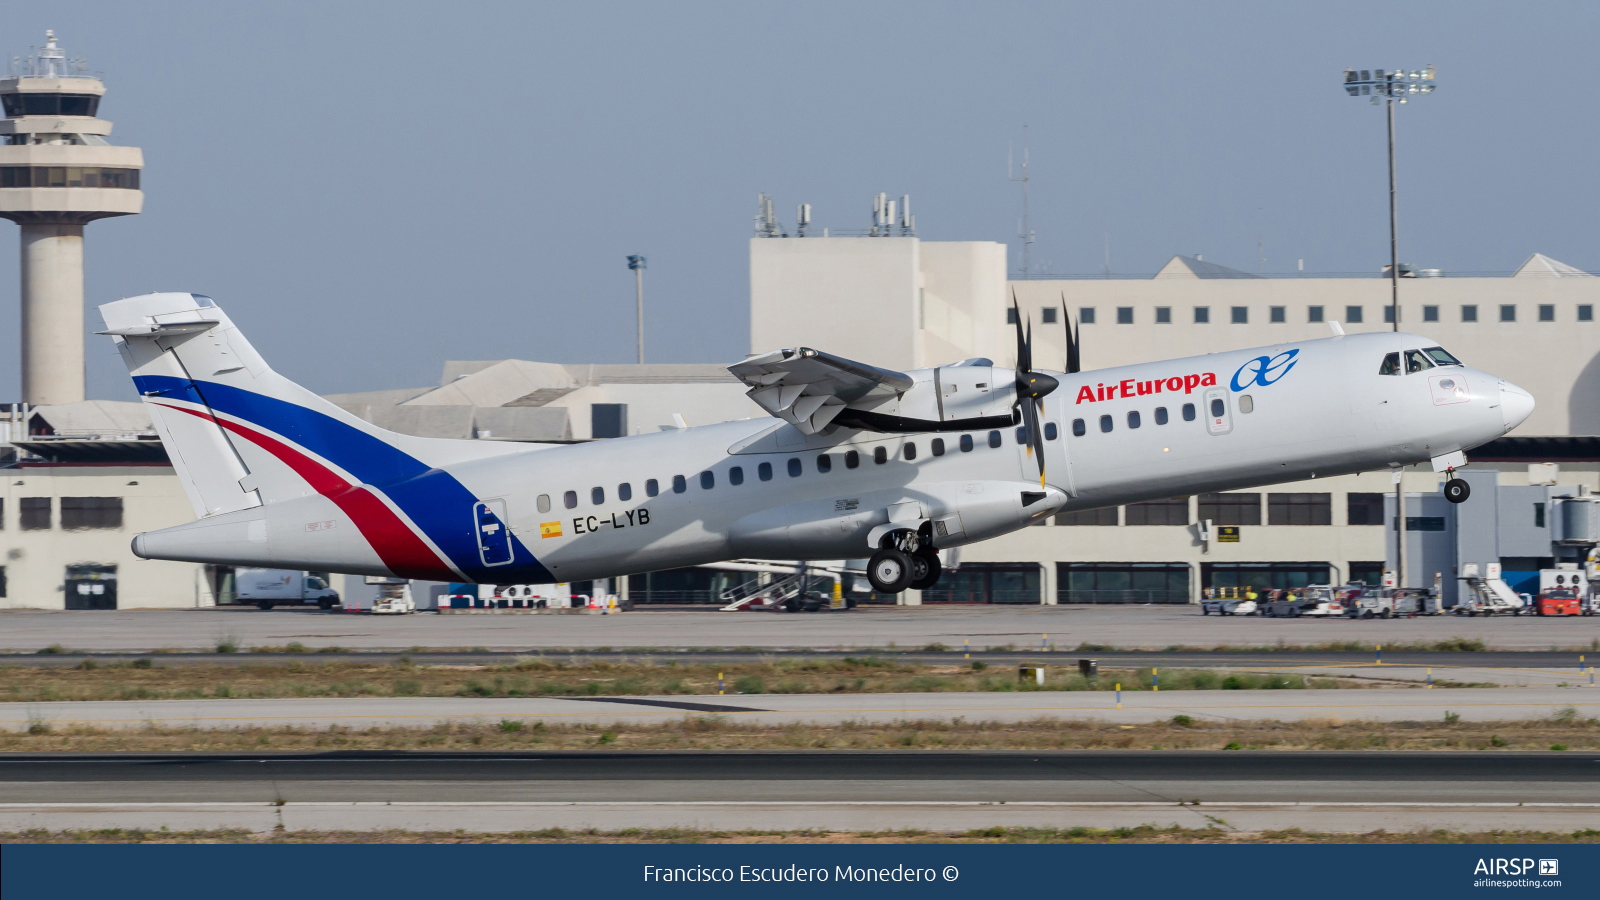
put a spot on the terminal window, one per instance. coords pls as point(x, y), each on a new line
point(1011, 316)
point(1547, 312)
point(608, 420)
point(1103, 516)
point(1508, 312)
point(1163, 315)
point(1085, 315)
point(1363, 509)
point(35, 513)
point(1469, 313)
point(1430, 314)
point(1278, 314)
point(1159, 512)
point(1048, 315)
point(1122, 582)
point(1231, 508)
point(1202, 315)
point(1124, 315)
point(1352, 314)
point(1313, 314)
point(1299, 509)
point(91, 512)
point(1388, 315)
point(1586, 312)
point(1241, 315)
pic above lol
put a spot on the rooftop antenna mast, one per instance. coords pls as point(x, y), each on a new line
point(1024, 228)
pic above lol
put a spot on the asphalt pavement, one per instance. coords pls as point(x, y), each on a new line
point(1388, 705)
point(786, 790)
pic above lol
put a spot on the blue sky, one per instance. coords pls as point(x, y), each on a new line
point(373, 188)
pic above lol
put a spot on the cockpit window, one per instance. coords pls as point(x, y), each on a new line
point(1391, 365)
point(1442, 356)
point(1416, 362)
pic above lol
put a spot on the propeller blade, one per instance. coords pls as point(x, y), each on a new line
point(1030, 416)
point(1023, 362)
point(1074, 363)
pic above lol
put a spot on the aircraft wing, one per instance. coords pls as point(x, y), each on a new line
point(808, 388)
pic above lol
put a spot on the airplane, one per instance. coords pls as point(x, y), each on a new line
point(855, 461)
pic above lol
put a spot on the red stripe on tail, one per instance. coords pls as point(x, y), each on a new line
point(405, 554)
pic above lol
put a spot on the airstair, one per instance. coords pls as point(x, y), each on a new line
point(1489, 596)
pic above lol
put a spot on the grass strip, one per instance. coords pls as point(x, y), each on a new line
point(150, 679)
point(1564, 731)
point(1143, 834)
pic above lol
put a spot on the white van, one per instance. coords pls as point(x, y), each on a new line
point(267, 588)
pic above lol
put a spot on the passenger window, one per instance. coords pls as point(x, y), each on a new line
point(1022, 435)
point(624, 491)
point(1416, 362)
point(966, 443)
point(679, 484)
point(794, 467)
point(1188, 412)
point(597, 496)
point(824, 463)
point(880, 455)
point(1078, 429)
point(652, 488)
point(736, 475)
point(852, 459)
point(707, 481)
point(764, 471)
point(1161, 415)
point(911, 450)
point(1133, 418)
point(570, 498)
point(1247, 403)
point(544, 503)
point(1050, 431)
point(938, 446)
point(1218, 409)
point(994, 439)
point(1391, 365)
point(1105, 423)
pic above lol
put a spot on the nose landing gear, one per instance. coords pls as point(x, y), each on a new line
point(1456, 490)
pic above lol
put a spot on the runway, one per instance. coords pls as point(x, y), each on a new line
point(820, 790)
point(1394, 705)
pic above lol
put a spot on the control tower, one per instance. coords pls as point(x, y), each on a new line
point(57, 173)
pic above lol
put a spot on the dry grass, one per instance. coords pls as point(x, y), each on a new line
point(715, 732)
point(533, 677)
point(1144, 834)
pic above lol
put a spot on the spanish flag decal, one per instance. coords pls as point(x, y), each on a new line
point(549, 529)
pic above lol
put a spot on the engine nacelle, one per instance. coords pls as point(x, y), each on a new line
point(964, 396)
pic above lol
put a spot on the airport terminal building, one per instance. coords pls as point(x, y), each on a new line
point(82, 478)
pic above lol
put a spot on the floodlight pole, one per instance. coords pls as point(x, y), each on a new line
point(637, 263)
point(1394, 315)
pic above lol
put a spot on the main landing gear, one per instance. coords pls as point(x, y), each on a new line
point(906, 561)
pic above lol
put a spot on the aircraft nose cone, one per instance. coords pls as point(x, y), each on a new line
point(1516, 404)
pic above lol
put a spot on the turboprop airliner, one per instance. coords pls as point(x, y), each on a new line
point(855, 461)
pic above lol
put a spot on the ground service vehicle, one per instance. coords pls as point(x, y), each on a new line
point(1228, 607)
point(1558, 602)
point(267, 588)
point(855, 460)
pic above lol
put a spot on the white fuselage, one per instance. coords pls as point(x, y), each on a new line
point(761, 488)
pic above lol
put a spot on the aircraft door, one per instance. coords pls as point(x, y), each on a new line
point(1219, 417)
point(494, 535)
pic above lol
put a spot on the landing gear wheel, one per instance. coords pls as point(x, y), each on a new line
point(1456, 490)
point(925, 569)
point(889, 570)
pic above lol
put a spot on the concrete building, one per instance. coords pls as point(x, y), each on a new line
point(57, 174)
